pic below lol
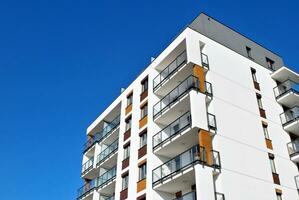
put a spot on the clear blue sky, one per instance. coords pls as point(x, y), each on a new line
point(63, 62)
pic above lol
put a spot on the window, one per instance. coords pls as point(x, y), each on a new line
point(272, 163)
point(129, 99)
point(253, 73)
point(142, 171)
point(126, 152)
point(128, 123)
point(143, 139)
point(248, 50)
point(270, 63)
point(143, 111)
point(125, 181)
point(144, 85)
point(266, 133)
point(278, 196)
point(259, 101)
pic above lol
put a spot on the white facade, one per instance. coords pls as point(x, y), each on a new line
point(239, 165)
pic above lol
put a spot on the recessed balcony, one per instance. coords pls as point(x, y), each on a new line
point(177, 101)
point(178, 173)
point(293, 148)
point(109, 132)
point(108, 157)
point(290, 120)
point(88, 169)
point(86, 191)
point(106, 182)
point(287, 93)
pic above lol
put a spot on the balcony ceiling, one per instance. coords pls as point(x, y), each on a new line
point(284, 73)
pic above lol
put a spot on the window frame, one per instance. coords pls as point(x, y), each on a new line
point(142, 172)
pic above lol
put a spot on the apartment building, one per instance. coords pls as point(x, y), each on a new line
point(214, 116)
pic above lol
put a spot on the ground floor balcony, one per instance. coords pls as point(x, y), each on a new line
point(290, 120)
point(293, 148)
point(287, 93)
point(108, 157)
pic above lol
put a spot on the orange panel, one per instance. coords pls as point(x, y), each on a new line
point(269, 144)
point(128, 109)
point(199, 73)
point(141, 185)
point(205, 140)
point(143, 122)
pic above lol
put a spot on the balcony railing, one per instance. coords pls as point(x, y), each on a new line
point(289, 116)
point(286, 87)
point(293, 148)
point(110, 198)
point(179, 163)
point(212, 121)
point(188, 196)
point(297, 181)
point(169, 70)
point(99, 136)
point(107, 152)
point(106, 177)
point(174, 128)
point(88, 165)
point(216, 159)
point(86, 189)
point(205, 60)
point(189, 83)
point(219, 196)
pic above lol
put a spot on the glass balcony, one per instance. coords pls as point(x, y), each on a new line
point(169, 70)
point(189, 83)
point(106, 177)
point(293, 148)
point(287, 93)
point(212, 121)
point(86, 189)
point(219, 196)
point(88, 165)
point(176, 127)
point(177, 164)
point(99, 136)
point(107, 152)
point(290, 115)
point(205, 60)
point(216, 159)
point(110, 198)
point(188, 196)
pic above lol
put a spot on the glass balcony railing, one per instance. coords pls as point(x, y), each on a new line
point(107, 152)
point(189, 83)
point(205, 60)
point(106, 177)
point(170, 69)
point(212, 121)
point(216, 159)
point(188, 196)
point(174, 128)
point(179, 163)
point(88, 165)
point(297, 182)
point(99, 136)
point(219, 196)
point(286, 87)
point(289, 116)
point(86, 189)
point(293, 147)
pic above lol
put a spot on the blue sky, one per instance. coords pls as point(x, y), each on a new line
point(62, 62)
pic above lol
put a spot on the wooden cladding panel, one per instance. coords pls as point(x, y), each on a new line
point(205, 140)
point(128, 109)
point(141, 185)
point(142, 151)
point(124, 194)
point(143, 122)
point(127, 134)
point(263, 113)
point(125, 163)
point(199, 72)
point(276, 179)
point(143, 95)
point(269, 144)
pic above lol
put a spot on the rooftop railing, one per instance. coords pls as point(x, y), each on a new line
point(174, 128)
point(99, 136)
point(86, 189)
point(178, 163)
point(107, 152)
point(286, 87)
point(88, 165)
point(293, 147)
point(188, 196)
point(290, 116)
point(189, 83)
point(106, 177)
point(169, 70)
